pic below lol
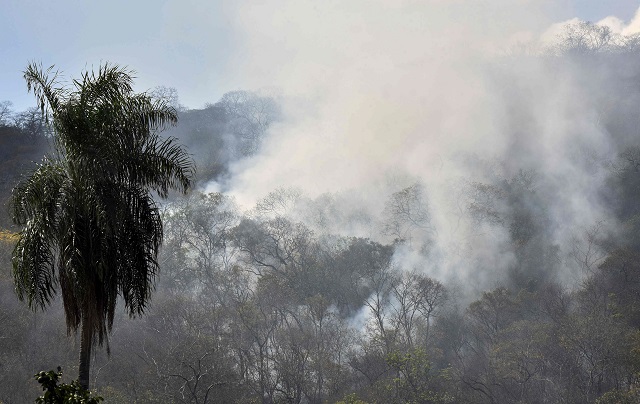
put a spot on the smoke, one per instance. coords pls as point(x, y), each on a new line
point(619, 26)
point(383, 85)
point(381, 95)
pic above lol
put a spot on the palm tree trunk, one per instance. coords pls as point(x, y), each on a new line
point(85, 354)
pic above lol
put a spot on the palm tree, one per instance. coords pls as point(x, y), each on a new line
point(90, 227)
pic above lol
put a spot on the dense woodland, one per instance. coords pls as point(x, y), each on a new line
point(312, 300)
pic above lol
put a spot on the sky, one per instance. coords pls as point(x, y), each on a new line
point(202, 48)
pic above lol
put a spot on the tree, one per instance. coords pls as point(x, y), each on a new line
point(520, 206)
point(586, 37)
point(5, 112)
point(32, 124)
point(169, 95)
point(250, 116)
point(416, 301)
point(91, 228)
point(407, 212)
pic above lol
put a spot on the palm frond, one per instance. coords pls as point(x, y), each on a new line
point(33, 267)
point(46, 88)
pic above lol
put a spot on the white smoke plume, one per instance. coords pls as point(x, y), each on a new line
point(378, 95)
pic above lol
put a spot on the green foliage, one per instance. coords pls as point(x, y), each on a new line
point(351, 399)
point(620, 397)
point(8, 237)
point(63, 393)
point(415, 380)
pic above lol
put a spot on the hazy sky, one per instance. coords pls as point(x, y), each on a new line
point(196, 46)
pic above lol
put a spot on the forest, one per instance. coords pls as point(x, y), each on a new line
point(516, 280)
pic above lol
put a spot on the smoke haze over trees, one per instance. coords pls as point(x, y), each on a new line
point(448, 212)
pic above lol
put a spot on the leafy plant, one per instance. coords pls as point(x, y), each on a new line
point(63, 393)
